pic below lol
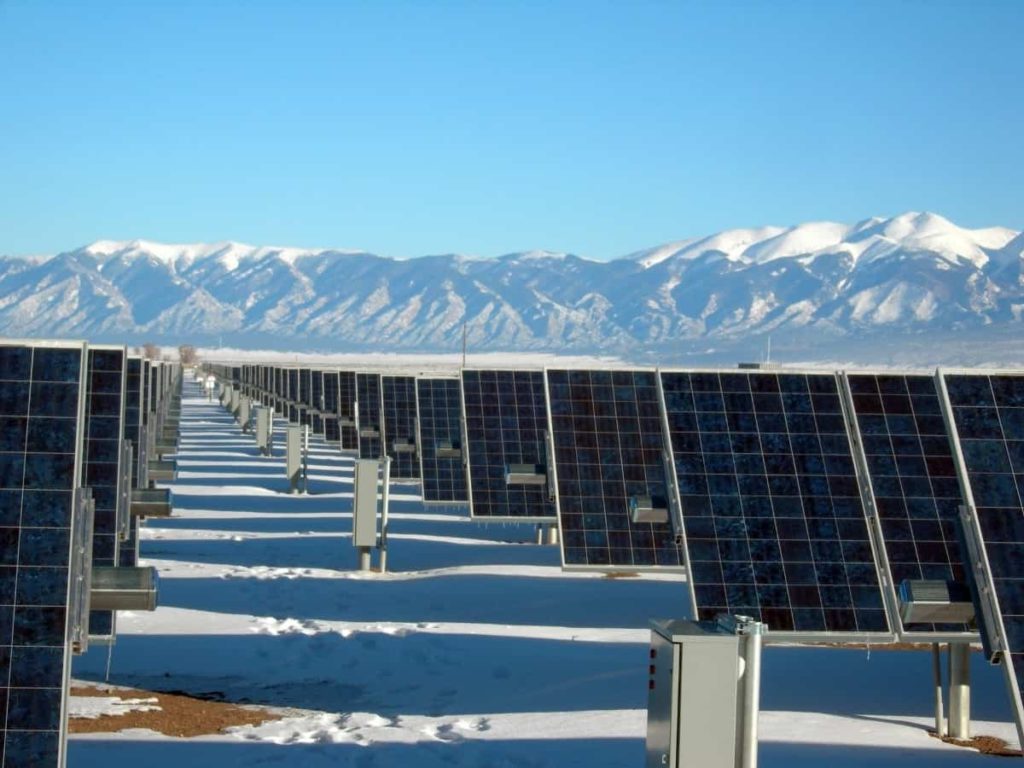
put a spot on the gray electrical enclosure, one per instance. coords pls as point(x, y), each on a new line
point(244, 406)
point(293, 456)
point(364, 505)
point(264, 430)
point(702, 699)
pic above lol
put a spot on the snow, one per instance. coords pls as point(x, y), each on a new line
point(876, 236)
point(476, 649)
point(93, 707)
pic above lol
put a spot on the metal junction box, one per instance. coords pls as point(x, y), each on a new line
point(264, 430)
point(364, 504)
point(935, 602)
point(700, 696)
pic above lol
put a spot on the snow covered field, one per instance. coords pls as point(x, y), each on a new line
point(475, 650)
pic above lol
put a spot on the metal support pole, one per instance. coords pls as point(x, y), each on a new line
point(751, 693)
point(364, 558)
point(940, 719)
point(552, 535)
point(540, 533)
point(305, 459)
point(960, 690)
point(384, 496)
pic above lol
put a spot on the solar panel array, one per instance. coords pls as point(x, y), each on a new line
point(40, 467)
point(988, 416)
point(347, 410)
point(329, 388)
point(506, 424)
point(398, 398)
point(439, 405)
point(371, 426)
point(771, 509)
point(609, 451)
point(103, 433)
point(134, 430)
point(912, 480)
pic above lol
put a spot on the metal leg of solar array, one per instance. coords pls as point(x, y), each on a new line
point(960, 690)
point(940, 717)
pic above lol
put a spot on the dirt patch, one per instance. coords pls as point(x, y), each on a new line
point(179, 714)
point(987, 745)
point(622, 575)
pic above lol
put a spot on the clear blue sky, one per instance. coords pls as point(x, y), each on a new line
point(490, 127)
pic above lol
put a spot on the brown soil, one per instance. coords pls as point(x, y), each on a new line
point(987, 745)
point(179, 715)
point(622, 575)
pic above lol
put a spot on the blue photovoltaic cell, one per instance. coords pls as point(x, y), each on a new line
point(774, 522)
point(40, 400)
point(330, 391)
point(101, 461)
point(134, 430)
point(317, 390)
point(610, 448)
point(346, 410)
point(439, 407)
point(398, 395)
point(913, 479)
point(332, 429)
point(506, 422)
point(371, 427)
point(988, 414)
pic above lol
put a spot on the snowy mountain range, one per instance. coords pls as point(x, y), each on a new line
point(914, 276)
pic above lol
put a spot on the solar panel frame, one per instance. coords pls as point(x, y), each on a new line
point(435, 423)
point(369, 415)
point(812, 578)
point(104, 429)
point(528, 497)
point(902, 434)
point(399, 417)
point(999, 644)
point(346, 411)
point(603, 512)
point(39, 616)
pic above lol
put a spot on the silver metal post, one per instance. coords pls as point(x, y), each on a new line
point(305, 459)
point(384, 516)
point(540, 533)
point(960, 690)
point(940, 719)
point(751, 692)
point(364, 558)
point(552, 535)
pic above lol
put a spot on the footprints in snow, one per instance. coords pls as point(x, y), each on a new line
point(452, 733)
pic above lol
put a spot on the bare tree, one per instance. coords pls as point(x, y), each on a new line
point(188, 355)
point(151, 351)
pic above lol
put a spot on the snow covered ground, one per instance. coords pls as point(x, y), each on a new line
point(475, 650)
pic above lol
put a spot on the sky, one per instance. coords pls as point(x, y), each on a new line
point(485, 128)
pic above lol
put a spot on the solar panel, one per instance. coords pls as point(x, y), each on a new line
point(774, 524)
point(347, 410)
point(133, 416)
point(102, 453)
point(398, 397)
point(332, 429)
point(40, 467)
point(439, 405)
point(506, 423)
point(370, 425)
point(911, 478)
point(987, 413)
point(611, 470)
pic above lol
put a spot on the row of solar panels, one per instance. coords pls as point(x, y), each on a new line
point(827, 505)
point(78, 428)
